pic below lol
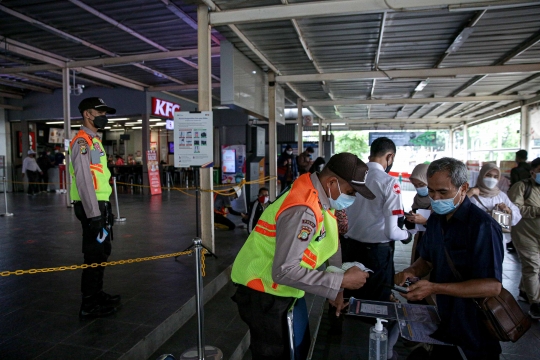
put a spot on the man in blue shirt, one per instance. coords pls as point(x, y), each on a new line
point(473, 241)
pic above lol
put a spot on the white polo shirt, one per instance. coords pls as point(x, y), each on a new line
point(375, 221)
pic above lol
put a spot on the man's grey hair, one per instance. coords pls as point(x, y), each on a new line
point(455, 168)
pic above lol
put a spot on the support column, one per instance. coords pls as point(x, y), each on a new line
point(145, 147)
point(300, 120)
point(321, 146)
point(67, 128)
point(451, 141)
point(466, 140)
point(525, 129)
point(205, 104)
point(272, 135)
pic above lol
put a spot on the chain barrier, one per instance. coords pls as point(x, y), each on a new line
point(109, 263)
point(228, 191)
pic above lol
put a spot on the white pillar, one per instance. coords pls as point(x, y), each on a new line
point(525, 131)
point(300, 121)
point(272, 135)
point(451, 141)
point(205, 104)
point(466, 141)
point(321, 147)
point(67, 128)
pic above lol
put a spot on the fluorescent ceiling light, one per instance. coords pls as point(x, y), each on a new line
point(117, 129)
point(156, 119)
point(160, 123)
point(339, 124)
point(137, 127)
point(131, 123)
point(118, 119)
point(421, 85)
point(54, 122)
point(76, 125)
point(107, 127)
point(140, 120)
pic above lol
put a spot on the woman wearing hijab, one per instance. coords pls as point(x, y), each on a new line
point(486, 195)
point(421, 201)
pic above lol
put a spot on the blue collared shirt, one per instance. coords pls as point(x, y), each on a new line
point(475, 245)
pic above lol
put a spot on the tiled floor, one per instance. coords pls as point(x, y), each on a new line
point(39, 313)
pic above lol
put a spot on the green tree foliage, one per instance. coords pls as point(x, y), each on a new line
point(497, 134)
point(355, 142)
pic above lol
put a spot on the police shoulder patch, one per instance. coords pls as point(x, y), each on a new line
point(83, 149)
point(304, 233)
point(81, 142)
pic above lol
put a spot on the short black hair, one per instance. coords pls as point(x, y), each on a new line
point(288, 147)
point(263, 189)
point(535, 163)
point(310, 149)
point(522, 154)
point(382, 146)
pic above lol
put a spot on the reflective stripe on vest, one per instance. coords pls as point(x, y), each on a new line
point(100, 172)
point(253, 265)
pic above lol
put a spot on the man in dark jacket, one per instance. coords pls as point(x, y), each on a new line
point(523, 170)
point(287, 169)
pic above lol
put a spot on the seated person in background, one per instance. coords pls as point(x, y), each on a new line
point(317, 166)
point(421, 201)
point(222, 207)
point(131, 160)
point(119, 160)
point(256, 209)
point(486, 195)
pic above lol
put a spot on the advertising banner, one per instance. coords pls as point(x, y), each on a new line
point(193, 139)
point(423, 138)
point(56, 135)
point(153, 172)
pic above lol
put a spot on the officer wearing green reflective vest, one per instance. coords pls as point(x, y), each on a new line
point(90, 192)
point(294, 236)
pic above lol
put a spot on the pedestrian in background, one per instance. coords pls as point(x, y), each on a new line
point(90, 191)
point(287, 168)
point(526, 236)
point(304, 160)
point(45, 163)
point(31, 169)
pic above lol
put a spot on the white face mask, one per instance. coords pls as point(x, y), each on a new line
point(490, 182)
point(289, 152)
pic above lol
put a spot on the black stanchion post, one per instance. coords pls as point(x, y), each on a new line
point(118, 218)
point(7, 213)
point(202, 351)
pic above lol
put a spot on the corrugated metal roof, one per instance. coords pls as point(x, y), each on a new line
point(345, 43)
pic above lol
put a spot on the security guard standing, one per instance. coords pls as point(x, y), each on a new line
point(294, 236)
point(90, 191)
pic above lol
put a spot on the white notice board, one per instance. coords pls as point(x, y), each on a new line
point(193, 139)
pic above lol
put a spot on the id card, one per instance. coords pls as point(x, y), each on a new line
point(103, 236)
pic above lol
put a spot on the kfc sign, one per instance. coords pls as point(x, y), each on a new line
point(164, 108)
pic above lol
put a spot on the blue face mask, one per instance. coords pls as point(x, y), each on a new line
point(422, 191)
point(444, 206)
point(342, 202)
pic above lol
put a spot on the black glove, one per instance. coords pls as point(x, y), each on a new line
point(96, 225)
point(408, 239)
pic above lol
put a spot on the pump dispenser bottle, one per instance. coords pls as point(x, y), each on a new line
point(378, 341)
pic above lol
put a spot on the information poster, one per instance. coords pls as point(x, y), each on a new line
point(153, 172)
point(193, 139)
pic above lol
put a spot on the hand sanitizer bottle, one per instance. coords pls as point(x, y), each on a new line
point(378, 341)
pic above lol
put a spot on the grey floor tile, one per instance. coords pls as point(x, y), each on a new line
point(18, 348)
point(62, 351)
point(20, 320)
point(56, 328)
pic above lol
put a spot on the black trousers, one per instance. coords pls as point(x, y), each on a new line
point(44, 180)
point(266, 317)
point(94, 252)
point(220, 219)
point(33, 177)
point(377, 257)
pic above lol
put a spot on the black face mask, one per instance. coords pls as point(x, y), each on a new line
point(388, 167)
point(100, 121)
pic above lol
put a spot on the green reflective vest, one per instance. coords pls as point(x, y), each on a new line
point(253, 264)
point(100, 172)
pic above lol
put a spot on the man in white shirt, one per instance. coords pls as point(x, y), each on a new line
point(373, 224)
point(31, 169)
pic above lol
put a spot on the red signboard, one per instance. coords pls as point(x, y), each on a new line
point(164, 108)
point(153, 172)
point(31, 142)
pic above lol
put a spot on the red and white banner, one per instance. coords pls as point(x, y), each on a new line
point(164, 108)
point(153, 172)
